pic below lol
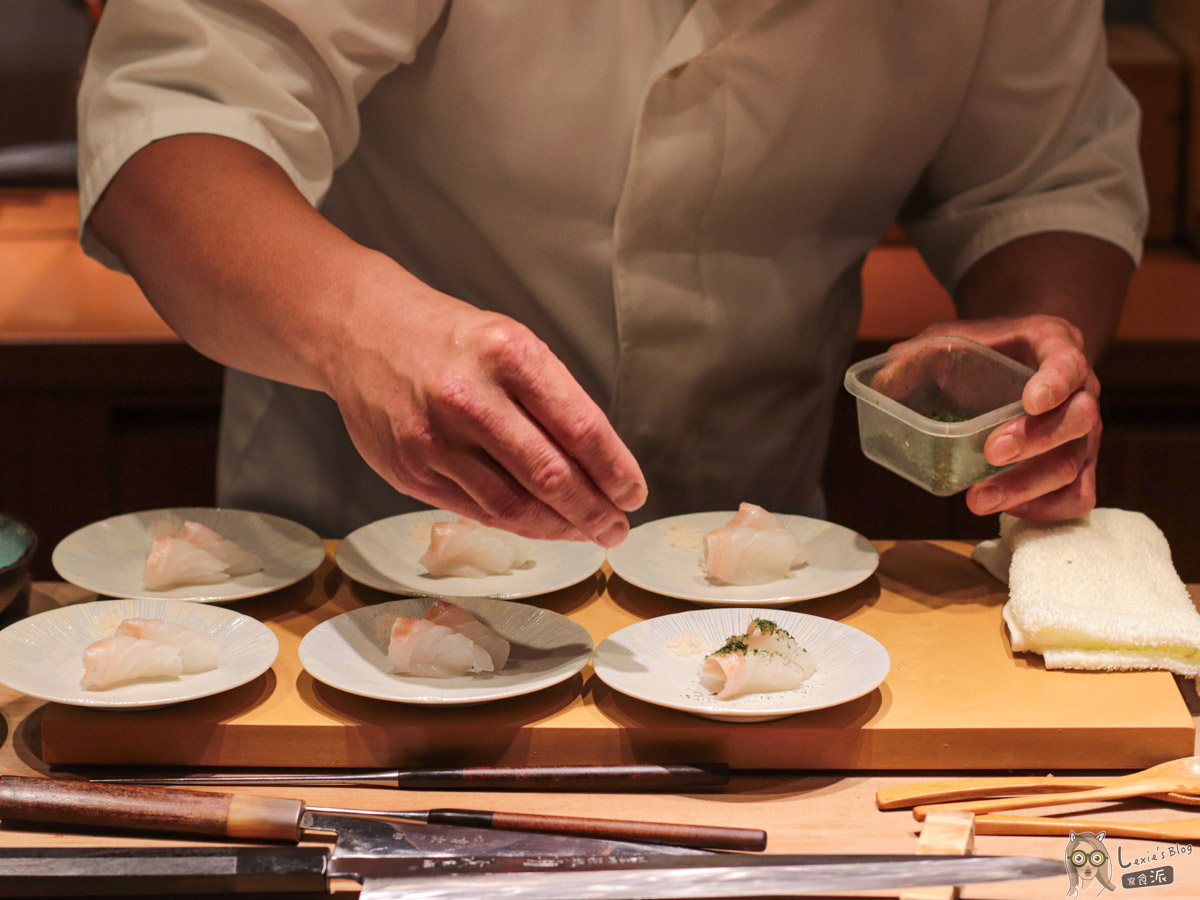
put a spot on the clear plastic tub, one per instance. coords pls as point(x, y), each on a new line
point(924, 411)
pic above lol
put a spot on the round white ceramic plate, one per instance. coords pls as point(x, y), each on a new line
point(651, 661)
point(386, 555)
point(666, 556)
point(108, 557)
point(42, 656)
point(349, 652)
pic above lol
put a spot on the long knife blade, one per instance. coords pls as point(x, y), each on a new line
point(720, 875)
point(158, 870)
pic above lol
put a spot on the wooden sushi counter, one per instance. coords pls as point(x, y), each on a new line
point(955, 697)
point(955, 702)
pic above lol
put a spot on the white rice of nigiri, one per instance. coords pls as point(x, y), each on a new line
point(459, 620)
point(173, 561)
point(121, 658)
point(467, 549)
point(199, 652)
point(421, 647)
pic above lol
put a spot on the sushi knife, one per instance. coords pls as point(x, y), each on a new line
point(282, 819)
point(535, 778)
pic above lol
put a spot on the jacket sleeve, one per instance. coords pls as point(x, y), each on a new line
point(284, 77)
point(1045, 139)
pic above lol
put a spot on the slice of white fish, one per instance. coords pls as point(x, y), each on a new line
point(753, 548)
point(764, 659)
point(459, 620)
point(421, 647)
point(172, 562)
point(193, 554)
point(467, 549)
point(121, 658)
point(238, 561)
point(198, 652)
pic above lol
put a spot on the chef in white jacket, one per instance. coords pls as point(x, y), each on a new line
point(546, 262)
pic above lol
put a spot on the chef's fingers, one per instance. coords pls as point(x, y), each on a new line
point(1053, 485)
point(498, 500)
point(1062, 369)
point(1069, 502)
point(548, 478)
point(1028, 436)
point(557, 403)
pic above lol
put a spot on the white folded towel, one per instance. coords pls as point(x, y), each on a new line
point(1099, 592)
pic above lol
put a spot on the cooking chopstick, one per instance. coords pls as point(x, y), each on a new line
point(627, 778)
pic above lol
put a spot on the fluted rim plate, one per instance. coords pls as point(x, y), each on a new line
point(349, 652)
point(109, 556)
point(42, 656)
point(654, 661)
point(666, 557)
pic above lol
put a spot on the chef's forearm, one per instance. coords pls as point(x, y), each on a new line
point(1080, 278)
point(232, 256)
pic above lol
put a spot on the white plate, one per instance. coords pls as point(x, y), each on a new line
point(666, 556)
point(386, 555)
point(638, 661)
point(42, 656)
point(349, 652)
point(108, 557)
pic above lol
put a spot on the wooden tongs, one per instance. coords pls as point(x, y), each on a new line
point(1177, 781)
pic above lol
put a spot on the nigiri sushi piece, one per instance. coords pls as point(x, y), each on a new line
point(750, 555)
point(121, 658)
point(422, 647)
point(763, 634)
point(469, 550)
point(459, 620)
point(751, 516)
point(754, 547)
point(238, 560)
point(198, 652)
point(172, 562)
point(763, 660)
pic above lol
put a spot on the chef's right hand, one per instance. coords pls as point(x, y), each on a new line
point(469, 411)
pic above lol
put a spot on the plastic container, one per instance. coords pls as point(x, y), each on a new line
point(925, 411)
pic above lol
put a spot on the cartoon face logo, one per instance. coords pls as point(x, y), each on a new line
point(1087, 863)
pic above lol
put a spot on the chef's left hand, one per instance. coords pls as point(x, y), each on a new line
point(1057, 440)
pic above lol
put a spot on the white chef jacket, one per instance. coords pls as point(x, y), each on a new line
point(676, 196)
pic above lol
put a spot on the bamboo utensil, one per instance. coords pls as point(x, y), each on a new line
point(1175, 776)
point(1177, 830)
point(944, 792)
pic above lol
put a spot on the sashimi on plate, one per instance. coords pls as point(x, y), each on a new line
point(754, 547)
point(762, 660)
point(445, 642)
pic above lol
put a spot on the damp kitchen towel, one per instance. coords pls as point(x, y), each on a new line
point(1099, 592)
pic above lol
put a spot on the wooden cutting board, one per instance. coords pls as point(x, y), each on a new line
point(956, 698)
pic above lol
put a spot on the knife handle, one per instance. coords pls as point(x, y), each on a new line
point(149, 808)
point(703, 836)
point(130, 871)
point(567, 778)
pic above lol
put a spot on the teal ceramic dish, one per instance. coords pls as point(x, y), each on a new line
point(17, 545)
